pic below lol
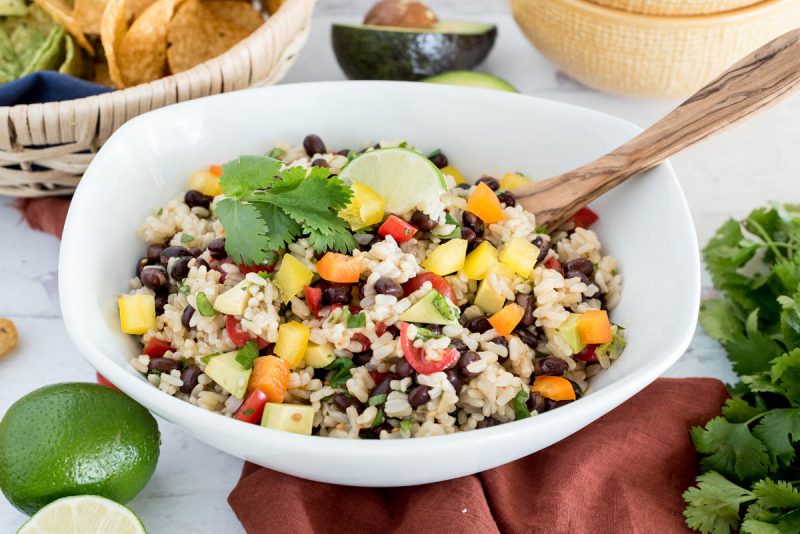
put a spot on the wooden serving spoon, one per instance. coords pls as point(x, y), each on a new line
point(753, 84)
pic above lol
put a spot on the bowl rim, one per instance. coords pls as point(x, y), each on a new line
point(735, 16)
point(176, 410)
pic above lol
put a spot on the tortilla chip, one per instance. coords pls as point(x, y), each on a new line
point(50, 54)
point(273, 6)
point(137, 7)
point(101, 75)
point(88, 13)
point(236, 12)
point(142, 55)
point(113, 27)
point(75, 63)
point(196, 34)
point(60, 12)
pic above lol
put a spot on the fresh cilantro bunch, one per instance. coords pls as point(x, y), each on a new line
point(750, 468)
point(265, 209)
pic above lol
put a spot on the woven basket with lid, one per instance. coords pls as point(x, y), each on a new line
point(45, 148)
point(676, 7)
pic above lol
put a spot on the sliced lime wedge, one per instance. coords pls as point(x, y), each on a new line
point(406, 180)
point(87, 514)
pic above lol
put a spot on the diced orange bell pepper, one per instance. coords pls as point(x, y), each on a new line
point(216, 170)
point(270, 375)
point(554, 388)
point(339, 268)
point(507, 319)
point(594, 327)
point(484, 203)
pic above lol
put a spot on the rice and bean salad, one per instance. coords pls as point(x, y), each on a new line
point(283, 290)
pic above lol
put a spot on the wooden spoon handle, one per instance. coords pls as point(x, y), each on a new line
point(756, 82)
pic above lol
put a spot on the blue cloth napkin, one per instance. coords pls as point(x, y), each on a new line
point(47, 86)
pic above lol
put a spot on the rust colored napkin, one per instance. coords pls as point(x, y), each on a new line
point(624, 473)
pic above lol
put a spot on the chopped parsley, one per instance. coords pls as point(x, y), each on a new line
point(341, 371)
point(377, 400)
point(276, 153)
point(248, 412)
point(187, 238)
point(520, 407)
point(359, 320)
point(184, 289)
point(247, 354)
point(378, 419)
point(425, 334)
point(405, 425)
point(455, 234)
point(207, 357)
point(204, 306)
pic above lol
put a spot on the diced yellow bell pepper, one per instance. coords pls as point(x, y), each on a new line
point(520, 255)
point(447, 258)
point(511, 180)
point(506, 320)
point(137, 313)
point(455, 173)
point(292, 342)
point(365, 208)
point(487, 298)
point(206, 182)
point(292, 277)
point(479, 261)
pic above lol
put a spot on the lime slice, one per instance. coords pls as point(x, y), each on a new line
point(406, 180)
point(87, 514)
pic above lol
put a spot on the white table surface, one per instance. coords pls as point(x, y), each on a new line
point(725, 176)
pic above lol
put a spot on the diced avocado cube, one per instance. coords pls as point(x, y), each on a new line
point(433, 308)
point(612, 350)
point(234, 300)
point(319, 356)
point(288, 418)
point(569, 333)
point(228, 373)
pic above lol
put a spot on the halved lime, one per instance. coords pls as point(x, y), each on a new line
point(406, 180)
point(87, 514)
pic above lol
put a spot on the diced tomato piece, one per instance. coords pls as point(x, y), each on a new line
point(438, 283)
point(588, 354)
point(217, 266)
point(252, 409)
point(103, 381)
point(380, 328)
point(239, 335)
point(553, 263)
point(416, 357)
point(399, 229)
point(584, 218)
point(366, 344)
point(156, 348)
point(313, 298)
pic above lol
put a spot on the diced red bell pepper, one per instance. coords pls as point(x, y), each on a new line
point(584, 218)
point(588, 354)
point(378, 377)
point(416, 357)
point(553, 263)
point(156, 348)
point(239, 335)
point(252, 409)
point(216, 170)
point(103, 381)
point(313, 298)
point(399, 229)
point(438, 283)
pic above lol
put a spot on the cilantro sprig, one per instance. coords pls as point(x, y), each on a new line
point(265, 209)
point(750, 480)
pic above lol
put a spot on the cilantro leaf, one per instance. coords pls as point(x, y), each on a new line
point(713, 505)
point(722, 319)
point(738, 410)
point(341, 371)
point(247, 240)
point(776, 494)
point(246, 173)
point(790, 319)
point(282, 229)
point(779, 429)
point(785, 374)
point(247, 354)
point(340, 240)
point(732, 449)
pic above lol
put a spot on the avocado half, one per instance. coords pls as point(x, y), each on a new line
point(366, 52)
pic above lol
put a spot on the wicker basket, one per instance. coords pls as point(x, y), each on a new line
point(645, 55)
point(676, 7)
point(45, 148)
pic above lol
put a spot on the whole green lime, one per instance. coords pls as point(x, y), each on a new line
point(75, 439)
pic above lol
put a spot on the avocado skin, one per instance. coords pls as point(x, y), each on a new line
point(372, 54)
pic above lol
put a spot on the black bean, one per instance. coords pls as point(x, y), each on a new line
point(577, 389)
point(336, 294)
point(577, 274)
point(368, 244)
point(343, 402)
point(141, 264)
point(527, 337)
point(375, 433)
point(383, 387)
point(580, 264)
point(473, 222)
point(189, 377)
point(479, 325)
point(387, 286)
point(459, 345)
point(343, 152)
point(552, 405)
point(463, 186)
point(362, 358)
point(403, 369)
point(153, 252)
point(200, 262)
point(180, 268)
point(319, 162)
point(154, 277)
point(493, 184)
point(467, 358)
point(217, 248)
point(195, 251)
point(440, 160)
point(313, 145)
point(544, 248)
point(500, 341)
point(165, 365)
point(394, 330)
point(196, 199)
point(454, 378)
point(550, 366)
point(435, 329)
point(536, 403)
point(186, 316)
point(486, 423)
point(507, 198)
point(172, 252)
point(467, 234)
point(474, 243)
point(161, 300)
point(418, 396)
point(422, 221)
point(527, 303)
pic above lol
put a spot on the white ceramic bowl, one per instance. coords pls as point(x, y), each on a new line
point(645, 223)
